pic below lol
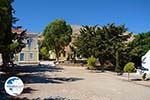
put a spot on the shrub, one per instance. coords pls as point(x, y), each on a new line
point(144, 76)
point(129, 67)
point(91, 62)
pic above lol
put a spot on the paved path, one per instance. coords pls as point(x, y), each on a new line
point(76, 83)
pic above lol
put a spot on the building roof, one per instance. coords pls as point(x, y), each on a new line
point(18, 31)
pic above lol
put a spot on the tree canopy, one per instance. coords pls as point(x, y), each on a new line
point(57, 35)
point(139, 46)
point(103, 42)
point(10, 42)
point(129, 67)
point(44, 53)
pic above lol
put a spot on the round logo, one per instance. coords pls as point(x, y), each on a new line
point(14, 86)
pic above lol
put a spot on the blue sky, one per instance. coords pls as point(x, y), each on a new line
point(34, 15)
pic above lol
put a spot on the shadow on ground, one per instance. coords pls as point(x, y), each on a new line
point(37, 68)
point(49, 98)
point(33, 75)
point(137, 79)
point(3, 95)
point(28, 90)
point(40, 78)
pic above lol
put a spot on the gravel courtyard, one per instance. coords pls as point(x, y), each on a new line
point(77, 83)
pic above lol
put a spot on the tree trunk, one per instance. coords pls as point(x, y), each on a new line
point(102, 64)
point(42, 58)
point(128, 76)
point(57, 57)
point(117, 68)
point(5, 58)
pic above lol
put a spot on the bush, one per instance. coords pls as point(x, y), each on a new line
point(144, 76)
point(91, 62)
point(129, 67)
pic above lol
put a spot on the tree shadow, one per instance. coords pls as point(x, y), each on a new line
point(40, 78)
point(136, 79)
point(147, 79)
point(69, 79)
point(36, 78)
point(33, 75)
point(3, 94)
point(49, 98)
point(17, 98)
point(37, 68)
point(28, 90)
point(3, 78)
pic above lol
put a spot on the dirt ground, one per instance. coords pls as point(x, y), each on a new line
point(77, 83)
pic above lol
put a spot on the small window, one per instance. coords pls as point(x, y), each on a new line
point(59, 54)
point(21, 56)
point(64, 53)
point(31, 56)
point(29, 43)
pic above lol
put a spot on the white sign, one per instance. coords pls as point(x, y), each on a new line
point(14, 86)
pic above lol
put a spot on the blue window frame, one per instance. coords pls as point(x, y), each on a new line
point(21, 56)
point(31, 56)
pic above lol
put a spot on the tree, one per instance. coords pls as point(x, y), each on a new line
point(129, 67)
point(5, 27)
point(57, 35)
point(10, 42)
point(102, 42)
point(73, 53)
point(117, 37)
point(44, 53)
point(138, 47)
point(85, 43)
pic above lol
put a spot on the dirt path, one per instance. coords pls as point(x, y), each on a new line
point(76, 83)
